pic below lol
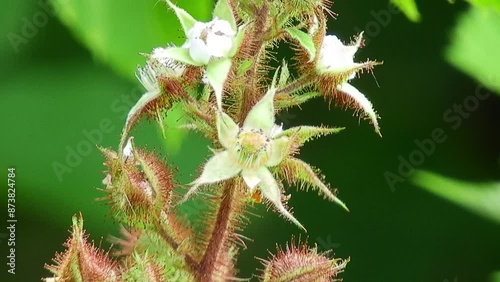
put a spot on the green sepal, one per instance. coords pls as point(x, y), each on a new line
point(298, 172)
point(284, 75)
point(305, 40)
point(302, 134)
point(287, 101)
point(217, 71)
point(186, 20)
point(181, 55)
point(223, 11)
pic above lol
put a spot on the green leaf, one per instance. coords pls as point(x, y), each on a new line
point(11, 28)
point(116, 31)
point(224, 12)
point(305, 40)
point(409, 8)
point(495, 277)
point(217, 71)
point(493, 4)
point(479, 198)
point(474, 46)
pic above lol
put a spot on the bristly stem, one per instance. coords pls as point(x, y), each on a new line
point(297, 85)
point(192, 264)
point(259, 37)
point(220, 233)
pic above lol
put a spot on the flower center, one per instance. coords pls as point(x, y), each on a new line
point(204, 34)
point(252, 148)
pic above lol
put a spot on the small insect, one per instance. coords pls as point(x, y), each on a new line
point(256, 197)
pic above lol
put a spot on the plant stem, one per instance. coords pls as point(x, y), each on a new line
point(259, 32)
point(192, 264)
point(296, 85)
point(220, 233)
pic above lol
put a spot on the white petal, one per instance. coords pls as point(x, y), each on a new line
point(335, 56)
point(251, 178)
point(197, 30)
point(361, 101)
point(199, 51)
point(218, 168)
point(227, 130)
point(261, 116)
point(279, 150)
point(159, 53)
point(222, 26)
point(219, 45)
point(276, 130)
point(272, 192)
point(127, 151)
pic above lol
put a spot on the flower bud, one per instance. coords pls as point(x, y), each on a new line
point(82, 261)
point(301, 264)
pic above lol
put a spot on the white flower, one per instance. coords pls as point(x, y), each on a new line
point(335, 56)
point(336, 61)
point(249, 151)
point(148, 76)
point(209, 45)
point(210, 40)
point(164, 65)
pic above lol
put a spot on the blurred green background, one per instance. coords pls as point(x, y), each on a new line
point(55, 93)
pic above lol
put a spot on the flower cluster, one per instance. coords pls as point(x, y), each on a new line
point(219, 78)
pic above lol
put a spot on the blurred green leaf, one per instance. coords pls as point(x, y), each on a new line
point(480, 198)
point(475, 46)
point(60, 120)
point(409, 8)
point(494, 4)
point(495, 277)
point(12, 27)
point(116, 31)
